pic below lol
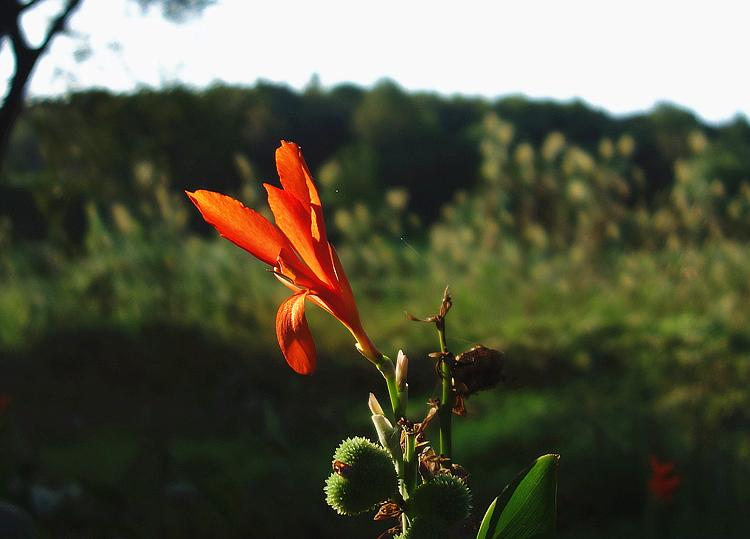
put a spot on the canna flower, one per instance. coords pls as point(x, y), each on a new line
point(664, 481)
point(297, 249)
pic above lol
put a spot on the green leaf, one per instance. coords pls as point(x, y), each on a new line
point(527, 507)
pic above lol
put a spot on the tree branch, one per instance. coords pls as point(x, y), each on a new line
point(58, 25)
point(17, 40)
point(29, 4)
point(9, 13)
point(26, 58)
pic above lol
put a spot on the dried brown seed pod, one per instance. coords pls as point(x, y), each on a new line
point(477, 369)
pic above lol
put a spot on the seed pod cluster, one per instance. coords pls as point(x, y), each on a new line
point(444, 498)
point(363, 477)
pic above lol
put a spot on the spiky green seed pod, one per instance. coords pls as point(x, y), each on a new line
point(445, 497)
point(364, 477)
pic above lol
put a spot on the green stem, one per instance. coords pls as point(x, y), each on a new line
point(403, 487)
point(410, 464)
point(403, 400)
point(445, 411)
point(397, 402)
point(404, 463)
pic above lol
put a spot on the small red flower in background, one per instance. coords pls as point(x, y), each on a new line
point(5, 401)
point(297, 249)
point(664, 481)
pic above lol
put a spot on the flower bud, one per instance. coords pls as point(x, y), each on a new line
point(402, 366)
point(374, 405)
point(389, 437)
point(365, 477)
point(446, 497)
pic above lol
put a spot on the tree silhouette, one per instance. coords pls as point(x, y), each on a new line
point(26, 56)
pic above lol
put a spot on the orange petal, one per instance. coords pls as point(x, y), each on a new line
point(345, 289)
point(345, 294)
point(296, 222)
point(241, 225)
point(294, 269)
point(294, 175)
point(340, 300)
point(295, 339)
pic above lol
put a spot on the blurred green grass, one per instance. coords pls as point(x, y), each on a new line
point(144, 368)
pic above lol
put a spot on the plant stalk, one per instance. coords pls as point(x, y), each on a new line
point(397, 401)
point(445, 411)
point(405, 463)
point(410, 463)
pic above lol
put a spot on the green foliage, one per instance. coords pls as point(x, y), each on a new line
point(178, 10)
point(445, 497)
point(527, 507)
point(366, 478)
point(608, 258)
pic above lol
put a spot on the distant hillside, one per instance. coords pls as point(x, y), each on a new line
point(90, 145)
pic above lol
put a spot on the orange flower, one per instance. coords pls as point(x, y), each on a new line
point(297, 249)
point(664, 481)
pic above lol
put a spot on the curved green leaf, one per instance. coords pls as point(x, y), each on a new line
point(527, 507)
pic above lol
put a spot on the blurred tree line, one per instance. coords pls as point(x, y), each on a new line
point(88, 146)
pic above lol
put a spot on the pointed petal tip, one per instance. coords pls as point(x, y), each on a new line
point(199, 196)
point(240, 225)
point(195, 197)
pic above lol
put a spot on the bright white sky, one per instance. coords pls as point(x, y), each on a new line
point(623, 56)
